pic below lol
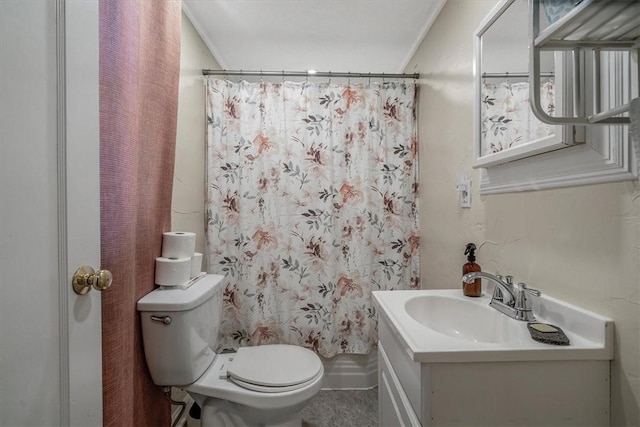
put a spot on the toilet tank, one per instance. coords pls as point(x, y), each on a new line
point(180, 330)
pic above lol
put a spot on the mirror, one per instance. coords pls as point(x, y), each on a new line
point(506, 129)
point(519, 153)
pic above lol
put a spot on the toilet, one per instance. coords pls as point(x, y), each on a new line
point(256, 386)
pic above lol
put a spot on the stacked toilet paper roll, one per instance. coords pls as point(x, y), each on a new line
point(196, 264)
point(179, 261)
point(172, 271)
point(178, 244)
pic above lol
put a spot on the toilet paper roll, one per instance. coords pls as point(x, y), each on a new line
point(178, 244)
point(196, 264)
point(172, 271)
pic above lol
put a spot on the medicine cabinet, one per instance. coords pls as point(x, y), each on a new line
point(514, 149)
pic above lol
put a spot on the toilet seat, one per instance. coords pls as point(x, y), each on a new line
point(269, 389)
point(273, 368)
point(216, 383)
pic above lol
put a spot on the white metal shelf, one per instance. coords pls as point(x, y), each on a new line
point(613, 24)
point(592, 24)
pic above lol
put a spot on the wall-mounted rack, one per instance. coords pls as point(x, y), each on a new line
point(611, 25)
point(517, 75)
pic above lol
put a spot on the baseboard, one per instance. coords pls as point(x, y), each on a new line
point(350, 372)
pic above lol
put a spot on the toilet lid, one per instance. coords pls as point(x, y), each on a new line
point(274, 368)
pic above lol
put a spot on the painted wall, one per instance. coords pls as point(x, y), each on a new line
point(187, 206)
point(579, 244)
point(187, 210)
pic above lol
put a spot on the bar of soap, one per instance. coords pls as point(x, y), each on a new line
point(547, 334)
point(543, 327)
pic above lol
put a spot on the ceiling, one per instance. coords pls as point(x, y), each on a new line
point(377, 36)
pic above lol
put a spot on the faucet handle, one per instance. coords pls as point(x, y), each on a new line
point(522, 287)
point(509, 280)
point(523, 304)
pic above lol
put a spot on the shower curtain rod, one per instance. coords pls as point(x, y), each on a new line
point(206, 72)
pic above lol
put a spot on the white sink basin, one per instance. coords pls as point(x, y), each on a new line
point(445, 326)
point(459, 318)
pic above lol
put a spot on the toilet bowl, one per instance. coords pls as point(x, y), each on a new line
point(255, 401)
point(256, 386)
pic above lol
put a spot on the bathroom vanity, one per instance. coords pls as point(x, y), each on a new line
point(446, 359)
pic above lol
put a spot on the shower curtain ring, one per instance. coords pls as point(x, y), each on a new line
point(369, 79)
point(283, 76)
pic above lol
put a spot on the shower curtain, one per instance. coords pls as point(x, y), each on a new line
point(311, 206)
point(507, 119)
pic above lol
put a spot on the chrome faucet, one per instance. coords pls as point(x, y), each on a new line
point(508, 299)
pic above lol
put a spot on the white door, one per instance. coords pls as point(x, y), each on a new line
point(50, 338)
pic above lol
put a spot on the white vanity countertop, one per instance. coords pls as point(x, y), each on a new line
point(591, 335)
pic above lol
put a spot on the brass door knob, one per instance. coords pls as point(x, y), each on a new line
point(85, 277)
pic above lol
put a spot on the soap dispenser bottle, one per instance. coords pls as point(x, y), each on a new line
point(471, 289)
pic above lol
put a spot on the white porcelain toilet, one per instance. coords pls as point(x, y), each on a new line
point(256, 386)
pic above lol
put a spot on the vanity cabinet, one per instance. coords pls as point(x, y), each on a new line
point(514, 393)
point(400, 399)
point(394, 408)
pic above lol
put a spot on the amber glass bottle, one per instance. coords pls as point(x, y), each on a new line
point(471, 289)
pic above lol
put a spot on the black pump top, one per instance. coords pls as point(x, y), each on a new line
point(470, 251)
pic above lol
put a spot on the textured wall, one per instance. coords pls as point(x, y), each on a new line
point(187, 210)
point(579, 244)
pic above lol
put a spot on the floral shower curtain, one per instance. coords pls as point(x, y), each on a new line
point(311, 205)
point(507, 119)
